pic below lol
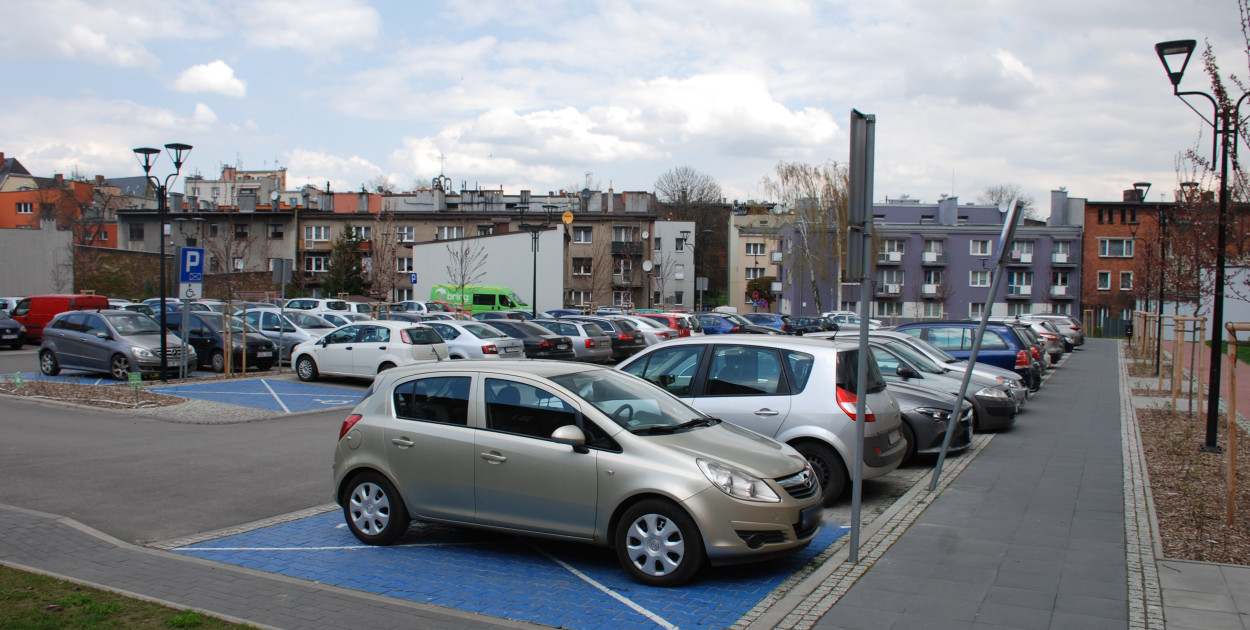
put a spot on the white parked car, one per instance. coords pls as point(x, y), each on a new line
point(795, 390)
point(367, 348)
point(477, 340)
point(316, 304)
point(341, 318)
point(296, 328)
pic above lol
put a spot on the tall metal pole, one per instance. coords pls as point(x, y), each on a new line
point(161, 208)
point(1163, 253)
point(1227, 117)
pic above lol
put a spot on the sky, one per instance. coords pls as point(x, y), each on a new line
point(549, 95)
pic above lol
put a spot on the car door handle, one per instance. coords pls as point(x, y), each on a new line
point(766, 412)
point(402, 442)
point(494, 458)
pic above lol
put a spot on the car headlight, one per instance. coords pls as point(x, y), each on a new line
point(736, 483)
point(938, 415)
point(141, 352)
point(991, 392)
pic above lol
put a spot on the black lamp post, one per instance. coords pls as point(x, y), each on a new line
point(534, 229)
point(147, 159)
point(1226, 125)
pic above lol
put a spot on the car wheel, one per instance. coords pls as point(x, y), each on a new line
point(828, 467)
point(659, 544)
point(306, 368)
point(374, 510)
point(263, 367)
point(48, 363)
point(910, 435)
point(218, 361)
point(119, 367)
point(17, 346)
point(385, 366)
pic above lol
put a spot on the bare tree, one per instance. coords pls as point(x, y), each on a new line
point(466, 264)
point(380, 184)
point(685, 194)
point(1002, 196)
point(815, 200)
point(385, 273)
point(685, 188)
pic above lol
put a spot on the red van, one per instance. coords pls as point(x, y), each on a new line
point(36, 311)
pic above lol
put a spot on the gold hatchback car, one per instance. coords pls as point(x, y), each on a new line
point(574, 452)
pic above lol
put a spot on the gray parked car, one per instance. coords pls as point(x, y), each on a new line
point(590, 342)
point(287, 328)
point(572, 452)
point(926, 414)
point(115, 341)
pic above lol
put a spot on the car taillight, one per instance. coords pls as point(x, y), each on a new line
point(736, 329)
point(546, 344)
point(1037, 354)
point(590, 343)
point(490, 349)
point(348, 423)
point(684, 332)
point(847, 401)
point(625, 337)
point(1075, 328)
point(662, 335)
point(1022, 360)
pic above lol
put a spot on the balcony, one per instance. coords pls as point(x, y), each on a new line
point(930, 290)
point(1062, 259)
point(889, 290)
point(627, 248)
point(313, 244)
point(775, 257)
point(1019, 291)
point(934, 258)
point(1020, 258)
point(889, 258)
point(1061, 291)
point(626, 279)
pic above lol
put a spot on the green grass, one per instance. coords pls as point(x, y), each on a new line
point(29, 601)
point(1243, 351)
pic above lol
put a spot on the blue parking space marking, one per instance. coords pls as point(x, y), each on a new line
point(563, 585)
point(262, 393)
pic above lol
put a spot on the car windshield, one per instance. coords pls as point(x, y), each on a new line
point(134, 324)
point(932, 350)
point(236, 325)
point(916, 358)
point(633, 403)
point(304, 320)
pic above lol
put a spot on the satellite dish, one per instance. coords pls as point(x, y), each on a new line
point(586, 193)
point(646, 234)
point(646, 265)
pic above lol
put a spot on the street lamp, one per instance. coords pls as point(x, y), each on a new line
point(147, 159)
point(534, 229)
point(1226, 125)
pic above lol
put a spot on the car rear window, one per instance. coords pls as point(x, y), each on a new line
point(848, 371)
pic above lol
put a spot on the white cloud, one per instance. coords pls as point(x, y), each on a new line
point(211, 77)
point(110, 33)
point(310, 26)
point(343, 174)
point(204, 115)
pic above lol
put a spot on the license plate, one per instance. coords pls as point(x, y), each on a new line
point(563, 346)
point(263, 355)
point(15, 337)
point(810, 516)
point(895, 436)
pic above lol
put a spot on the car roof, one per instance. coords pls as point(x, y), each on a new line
point(771, 341)
point(512, 367)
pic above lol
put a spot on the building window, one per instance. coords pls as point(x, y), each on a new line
point(136, 231)
point(622, 298)
point(275, 230)
point(659, 246)
point(892, 276)
point(755, 272)
point(578, 298)
point(582, 234)
point(976, 310)
point(1019, 308)
point(890, 245)
point(212, 229)
point(362, 232)
point(316, 232)
point(1126, 281)
point(240, 230)
point(1063, 247)
point(403, 265)
point(405, 234)
point(447, 232)
point(1059, 278)
point(656, 298)
point(1115, 247)
point(581, 266)
point(316, 263)
point(888, 309)
point(238, 264)
point(679, 298)
point(979, 247)
point(755, 249)
point(979, 279)
point(214, 265)
point(1064, 308)
point(622, 266)
point(270, 262)
point(25, 208)
point(1104, 280)
point(679, 272)
point(933, 310)
point(933, 246)
point(933, 276)
point(623, 234)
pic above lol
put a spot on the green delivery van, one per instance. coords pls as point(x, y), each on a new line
point(478, 298)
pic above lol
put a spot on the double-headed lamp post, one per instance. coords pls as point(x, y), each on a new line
point(534, 229)
point(147, 159)
point(1226, 124)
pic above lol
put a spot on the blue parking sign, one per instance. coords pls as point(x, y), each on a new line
point(191, 265)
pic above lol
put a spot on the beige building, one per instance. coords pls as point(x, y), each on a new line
point(754, 252)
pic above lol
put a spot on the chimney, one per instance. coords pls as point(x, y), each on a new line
point(99, 180)
point(58, 180)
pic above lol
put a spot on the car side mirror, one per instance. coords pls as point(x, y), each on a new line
point(102, 335)
point(571, 435)
point(905, 371)
point(667, 379)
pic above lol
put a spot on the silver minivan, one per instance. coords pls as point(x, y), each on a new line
point(115, 341)
point(798, 391)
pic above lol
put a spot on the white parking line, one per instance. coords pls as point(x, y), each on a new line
point(275, 395)
point(659, 621)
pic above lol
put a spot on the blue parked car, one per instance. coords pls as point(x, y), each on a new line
point(717, 324)
point(772, 320)
point(999, 347)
